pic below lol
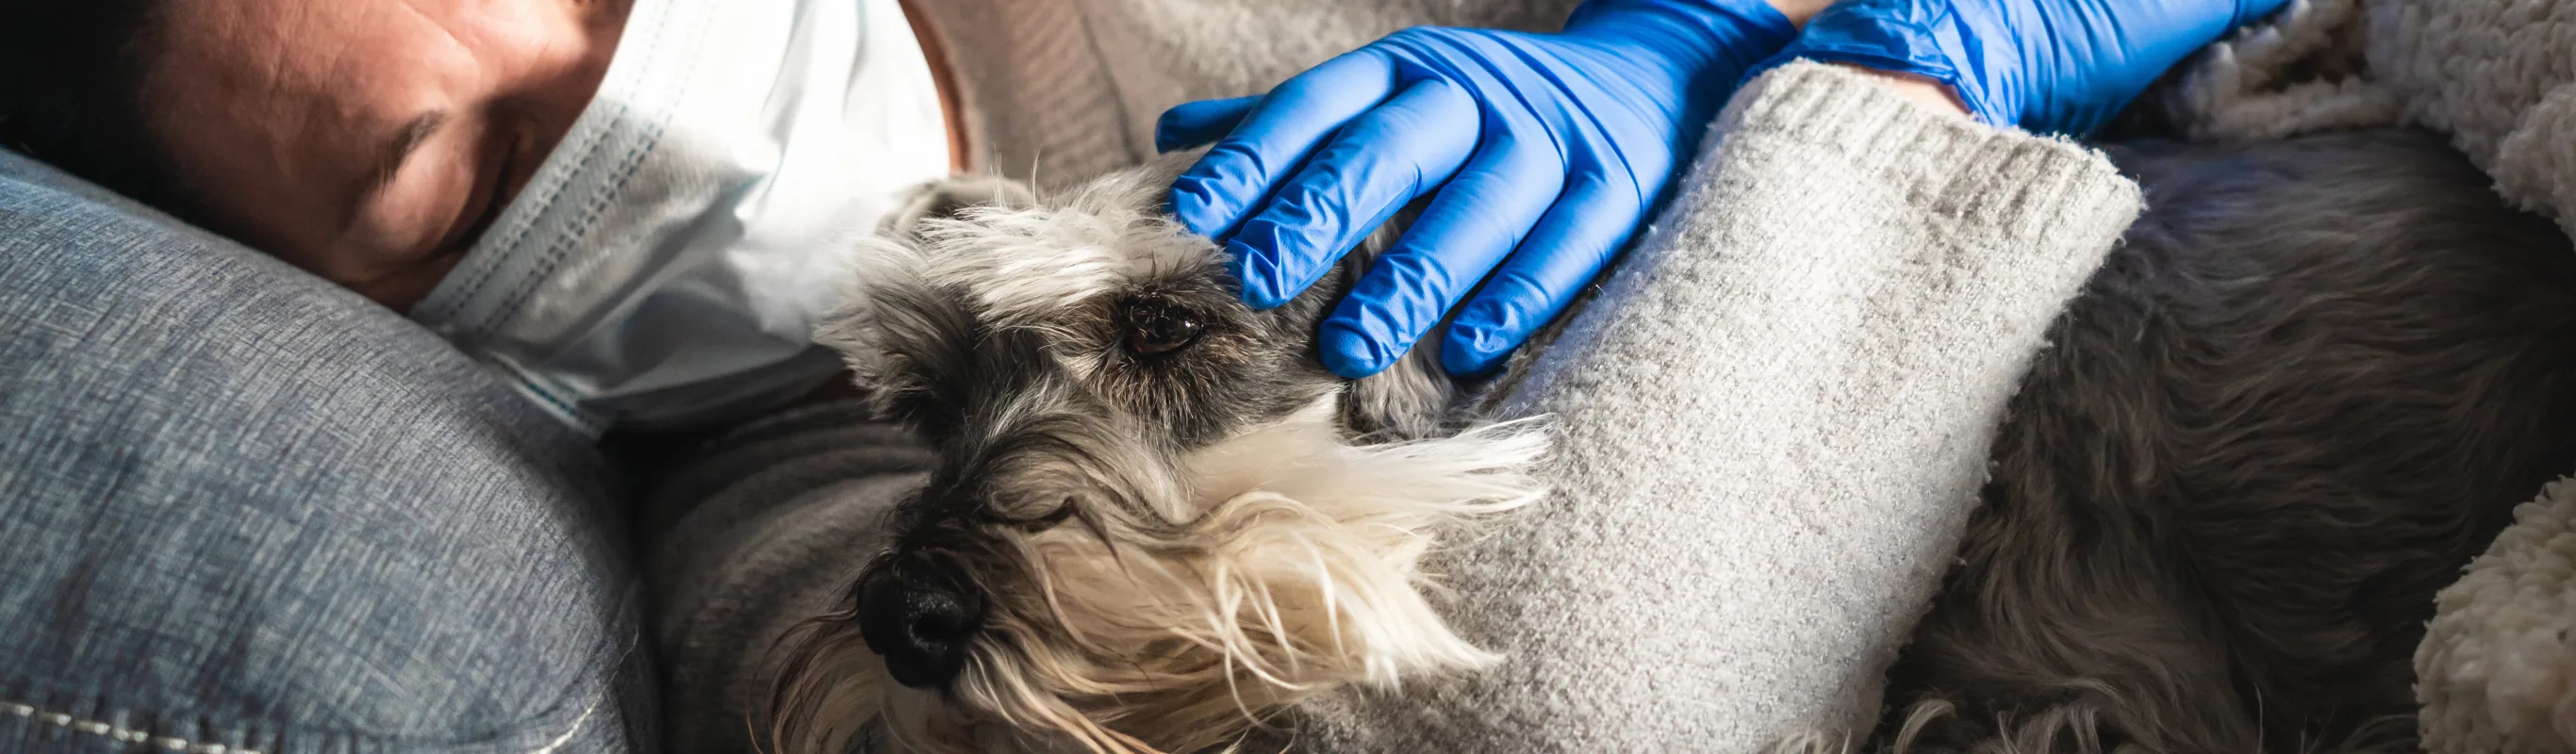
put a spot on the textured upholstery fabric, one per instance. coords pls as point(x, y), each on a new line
point(243, 510)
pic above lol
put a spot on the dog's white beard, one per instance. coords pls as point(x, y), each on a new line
point(1298, 571)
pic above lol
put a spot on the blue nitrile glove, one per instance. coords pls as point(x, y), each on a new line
point(1546, 152)
point(2052, 66)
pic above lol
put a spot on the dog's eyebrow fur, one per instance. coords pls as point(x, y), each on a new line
point(1028, 267)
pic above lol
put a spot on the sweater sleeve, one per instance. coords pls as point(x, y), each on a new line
point(1775, 417)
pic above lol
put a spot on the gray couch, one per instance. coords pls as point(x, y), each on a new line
point(206, 458)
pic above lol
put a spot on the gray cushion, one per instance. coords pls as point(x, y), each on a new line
point(241, 508)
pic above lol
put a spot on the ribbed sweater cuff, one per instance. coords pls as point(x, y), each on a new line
point(2021, 185)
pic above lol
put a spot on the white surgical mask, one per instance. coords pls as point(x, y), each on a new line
point(668, 262)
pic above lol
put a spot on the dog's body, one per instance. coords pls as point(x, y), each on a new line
point(2309, 387)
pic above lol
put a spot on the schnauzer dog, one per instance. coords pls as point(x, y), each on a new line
point(1155, 515)
point(2311, 384)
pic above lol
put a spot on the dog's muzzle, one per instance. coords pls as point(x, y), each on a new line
point(920, 620)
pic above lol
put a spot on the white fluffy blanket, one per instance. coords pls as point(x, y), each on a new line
point(2497, 669)
point(2499, 76)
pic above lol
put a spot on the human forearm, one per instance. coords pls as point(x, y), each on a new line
point(1927, 91)
point(1932, 94)
point(1798, 11)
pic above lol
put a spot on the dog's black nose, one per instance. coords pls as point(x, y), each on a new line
point(920, 623)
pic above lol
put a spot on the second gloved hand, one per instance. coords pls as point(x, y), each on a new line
point(2056, 66)
point(1545, 151)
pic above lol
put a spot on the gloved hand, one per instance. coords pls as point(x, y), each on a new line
point(1546, 152)
point(2052, 66)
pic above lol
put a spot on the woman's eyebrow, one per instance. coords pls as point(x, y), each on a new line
point(390, 159)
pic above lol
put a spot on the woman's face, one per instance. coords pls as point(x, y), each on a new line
point(371, 141)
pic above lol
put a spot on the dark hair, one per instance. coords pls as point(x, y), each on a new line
point(71, 91)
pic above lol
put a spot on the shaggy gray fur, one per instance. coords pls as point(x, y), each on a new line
point(2312, 384)
point(1071, 400)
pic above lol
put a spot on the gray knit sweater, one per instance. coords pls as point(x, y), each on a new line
point(1776, 414)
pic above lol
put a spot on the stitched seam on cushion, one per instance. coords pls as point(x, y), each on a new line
point(126, 735)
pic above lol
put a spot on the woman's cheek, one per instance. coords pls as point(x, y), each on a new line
point(409, 222)
point(407, 287)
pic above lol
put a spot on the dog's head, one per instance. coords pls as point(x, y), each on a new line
point(1155, 516)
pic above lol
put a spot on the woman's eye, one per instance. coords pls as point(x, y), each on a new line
point(1156, 326)
point(496, 197)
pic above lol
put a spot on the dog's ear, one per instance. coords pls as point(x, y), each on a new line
point(947, 197)
point(891, 310)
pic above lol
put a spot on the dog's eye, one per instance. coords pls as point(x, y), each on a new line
point(1156, 326)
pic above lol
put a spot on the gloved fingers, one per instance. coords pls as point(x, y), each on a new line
point(1569, 247)
point(1190, 124)
point(1378, 163)
point(1470, 225)
point(1215, 195)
